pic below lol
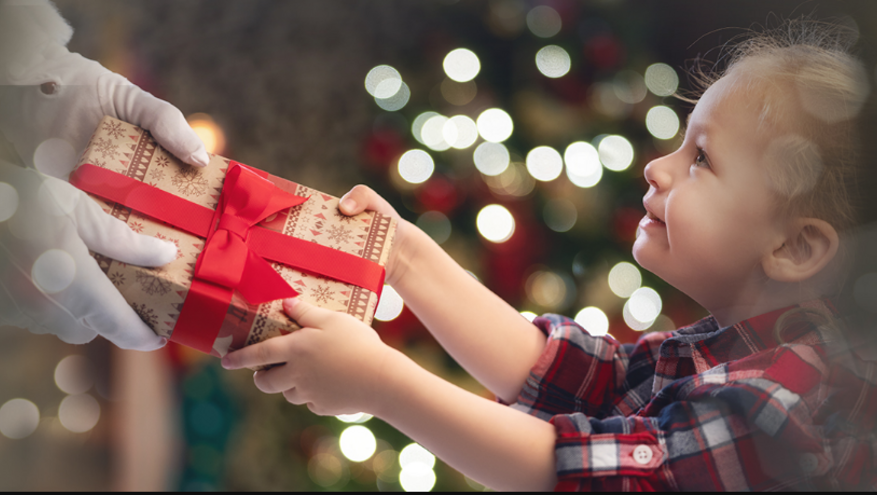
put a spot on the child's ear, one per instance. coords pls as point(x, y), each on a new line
point(809, 246)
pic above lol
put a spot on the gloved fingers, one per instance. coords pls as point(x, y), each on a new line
point(111, 237)
point(98, 305)
point(127, 102)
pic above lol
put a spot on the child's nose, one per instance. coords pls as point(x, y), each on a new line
point(656, 175)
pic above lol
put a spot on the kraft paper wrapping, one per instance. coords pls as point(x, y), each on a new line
point(157, 294)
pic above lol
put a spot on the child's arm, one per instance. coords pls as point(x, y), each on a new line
point(336, 364)
point(484, 334)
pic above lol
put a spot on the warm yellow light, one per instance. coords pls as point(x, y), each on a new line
point(209, 131)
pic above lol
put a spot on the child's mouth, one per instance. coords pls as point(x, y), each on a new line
point(651, 219)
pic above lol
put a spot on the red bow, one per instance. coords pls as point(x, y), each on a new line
point(227, 261)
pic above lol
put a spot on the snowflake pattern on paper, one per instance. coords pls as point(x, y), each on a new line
point(118, 279)
point(341, 217)
point(146, 314)
point(163, 161)
point(136, 227)
point(322, 294)
point(189, 182)
point(106, 148)
point(153, 285)
point(339, 234)
point(114, 129)
point(156, 174)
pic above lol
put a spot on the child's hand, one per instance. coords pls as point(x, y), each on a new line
point(362, 198)
point(333, 364)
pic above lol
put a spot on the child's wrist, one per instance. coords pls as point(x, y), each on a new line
point(407, 245)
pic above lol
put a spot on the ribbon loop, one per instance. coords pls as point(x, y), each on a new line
point(234, 225)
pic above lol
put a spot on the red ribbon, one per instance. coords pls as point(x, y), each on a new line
point(235, 250)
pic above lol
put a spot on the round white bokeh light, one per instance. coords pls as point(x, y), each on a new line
point(415, 453)
point(419, 122)
point(662, 122)
point(461, 65)
point(396, 101)
point(19, 418)
point(544, 163)
point(383, 81)
point(417, 478)
point(491, 159)
point(553, 61)
point(495, 125)
point(433, 133)
point(390, 305)
point(53, 271)
point(74, 374)
point(616, 153)
point(464, 133)
point(357, 443)
point(594, 320)
point(79, 413)
point(416, 166)
point(661, 79)
point(8, 201)
point(495, 223)
point(583, 165)
point(624, 279)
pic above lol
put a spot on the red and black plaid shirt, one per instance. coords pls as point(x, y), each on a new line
point(707, 408)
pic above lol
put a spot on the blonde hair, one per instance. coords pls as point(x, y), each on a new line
point(813, 91)
point(815, 98)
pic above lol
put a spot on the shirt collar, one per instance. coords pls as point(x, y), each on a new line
point(806, 323)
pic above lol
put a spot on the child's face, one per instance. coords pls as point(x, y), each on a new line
point(715, 214)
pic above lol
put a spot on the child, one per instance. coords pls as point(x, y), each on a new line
point(748, 217)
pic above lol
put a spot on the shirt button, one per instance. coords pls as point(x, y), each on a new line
point(642, 454)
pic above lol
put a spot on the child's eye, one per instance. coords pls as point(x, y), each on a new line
point(701, 160)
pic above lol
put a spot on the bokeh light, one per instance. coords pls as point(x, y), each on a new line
point(583, 167)
point(18, 418)
point(54, 157)
point(416, 166)
point(515, 181)
point(460, 132)
point(630, 87)
point(209, 131)
point(594, 320)
point(495, 223)
point(495, 125)
point(8, 201)
point(491, 158)
point(553, 61)
point(53, 271)
point(325, 469)
point(560, 214)
point(79, 413)
point(624, 279)
point(433, 133)
point(390, 305)
point(548, 289)
point(417, 478)
point(436, 225)
point(354, 418)
point(417, 125)
point(458, 93)
point(74, 375)
point(357, 443)
point(661, 79)
point(461, 65)
point(55, 198)
point(642, 309)
point(396, 101)
point(544, 163)
point(865, 292)
point(616, 153)
point(543, 21)
point(662, 122)
point(383, 81)
point(415, 453)
point(529, 315)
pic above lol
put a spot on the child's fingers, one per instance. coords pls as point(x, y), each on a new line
point(271, 351)
point(275, 380)
point(362, 198)
point(305, 314)
point(293, 396)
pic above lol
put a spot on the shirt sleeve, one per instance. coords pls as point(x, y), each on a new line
point(722, 430)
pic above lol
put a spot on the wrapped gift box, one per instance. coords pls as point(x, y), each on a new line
point(159, 295)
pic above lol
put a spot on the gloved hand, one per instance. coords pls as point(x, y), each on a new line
point(48, 281)
point(50, 110)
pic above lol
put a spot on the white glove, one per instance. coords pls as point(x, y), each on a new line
point(48, 281)
point(53, 93)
